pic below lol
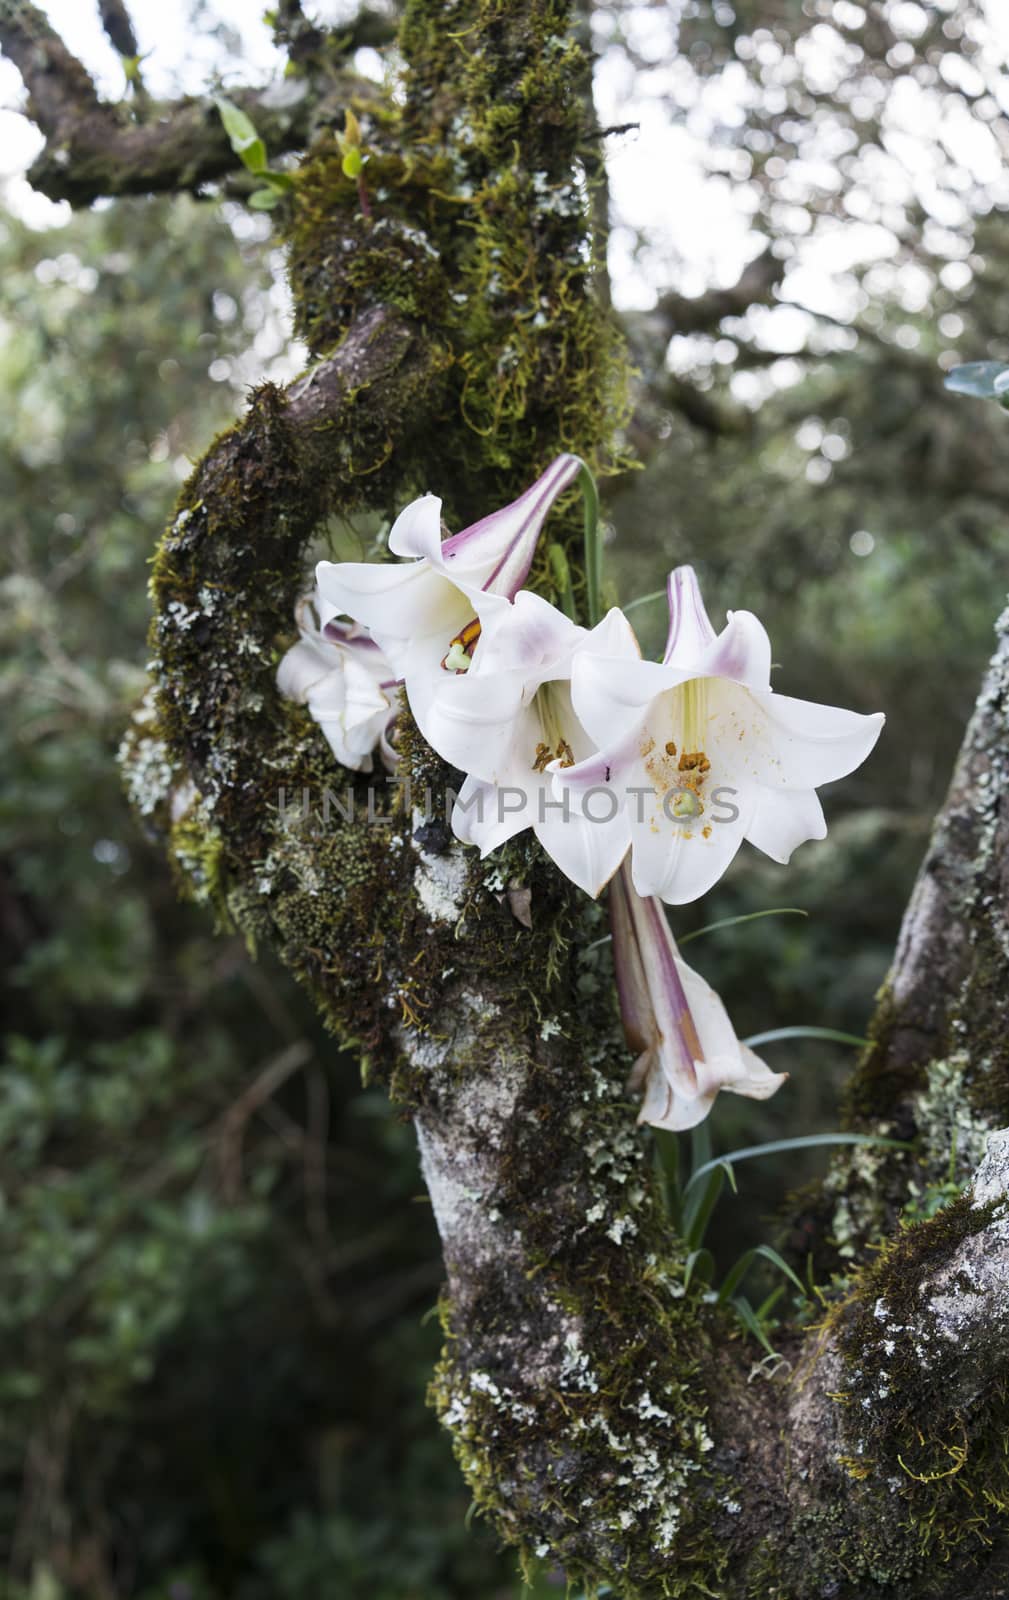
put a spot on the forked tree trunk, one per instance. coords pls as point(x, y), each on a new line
point(605, 1419)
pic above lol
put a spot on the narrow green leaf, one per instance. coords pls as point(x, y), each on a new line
point(774, 1034)
point(700, 1177)
point(749, 916)
point(771, 1255)
point(700, 1145)
point(645, 599)
point(809, 1142)
point(352, 165)
point(264, 199)
point(698, 1206)
point(699, 1264)
point(766, 1306)
point(737, 1273)
point(748, 1317)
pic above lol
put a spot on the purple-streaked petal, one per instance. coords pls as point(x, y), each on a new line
point(690, 630)
point(742, 652)
point(351, 636)
point(529, 634)
point(497, 552)
point(687, 1047)
point(636, 1010)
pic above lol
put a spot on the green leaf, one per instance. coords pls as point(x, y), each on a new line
point(699, 1201)
point(700, 1145)
point(736, 1273)
point(240, 129)
point(699, 1264)
point(810, 1141)
point(264, 199)
point(985, 380)
point(644, 599)
point(352, 165)
point(281, 181)
point(750, 916)
point(748, 1317)
point(774, 1034)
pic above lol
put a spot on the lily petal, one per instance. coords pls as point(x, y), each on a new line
point(484, 817)
point(681, 861)
point(497, 552)
point(688, 1048)
point(741, 652)
point(388, 598)
point(587, 851)
point(417, 530)
point(801, 745)
point(783, 819)
point(690, 630)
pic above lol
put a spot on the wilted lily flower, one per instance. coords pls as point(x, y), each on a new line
point(509, 723)
point(427, 613)
point(703, 753)
point(340, 673)
point(686, 1043)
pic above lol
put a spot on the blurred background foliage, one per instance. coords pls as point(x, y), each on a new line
point(217, 1267)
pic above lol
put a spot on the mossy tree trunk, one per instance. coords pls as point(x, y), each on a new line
point(604, 1418)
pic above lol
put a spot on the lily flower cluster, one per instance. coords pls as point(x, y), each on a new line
point(647, 773)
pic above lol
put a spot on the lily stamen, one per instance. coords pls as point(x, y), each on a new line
point(459, 655)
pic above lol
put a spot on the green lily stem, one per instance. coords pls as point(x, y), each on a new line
point(562, 577)
point(593, 544)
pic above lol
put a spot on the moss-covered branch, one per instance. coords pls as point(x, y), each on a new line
point(95, 148)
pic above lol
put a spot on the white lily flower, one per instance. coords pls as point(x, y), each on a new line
point(509, 723)
point(427, 612)
point(340, 673)
point(708, 754)
point(686, 1043)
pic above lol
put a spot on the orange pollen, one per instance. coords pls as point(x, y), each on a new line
point(564, 754)
point(692, 760)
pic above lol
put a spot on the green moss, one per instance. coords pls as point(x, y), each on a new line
point(925, 1429)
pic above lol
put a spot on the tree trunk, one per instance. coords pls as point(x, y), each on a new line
point(604, 1417)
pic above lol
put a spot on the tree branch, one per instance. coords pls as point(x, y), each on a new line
point(94, 148)
point(703, 313)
